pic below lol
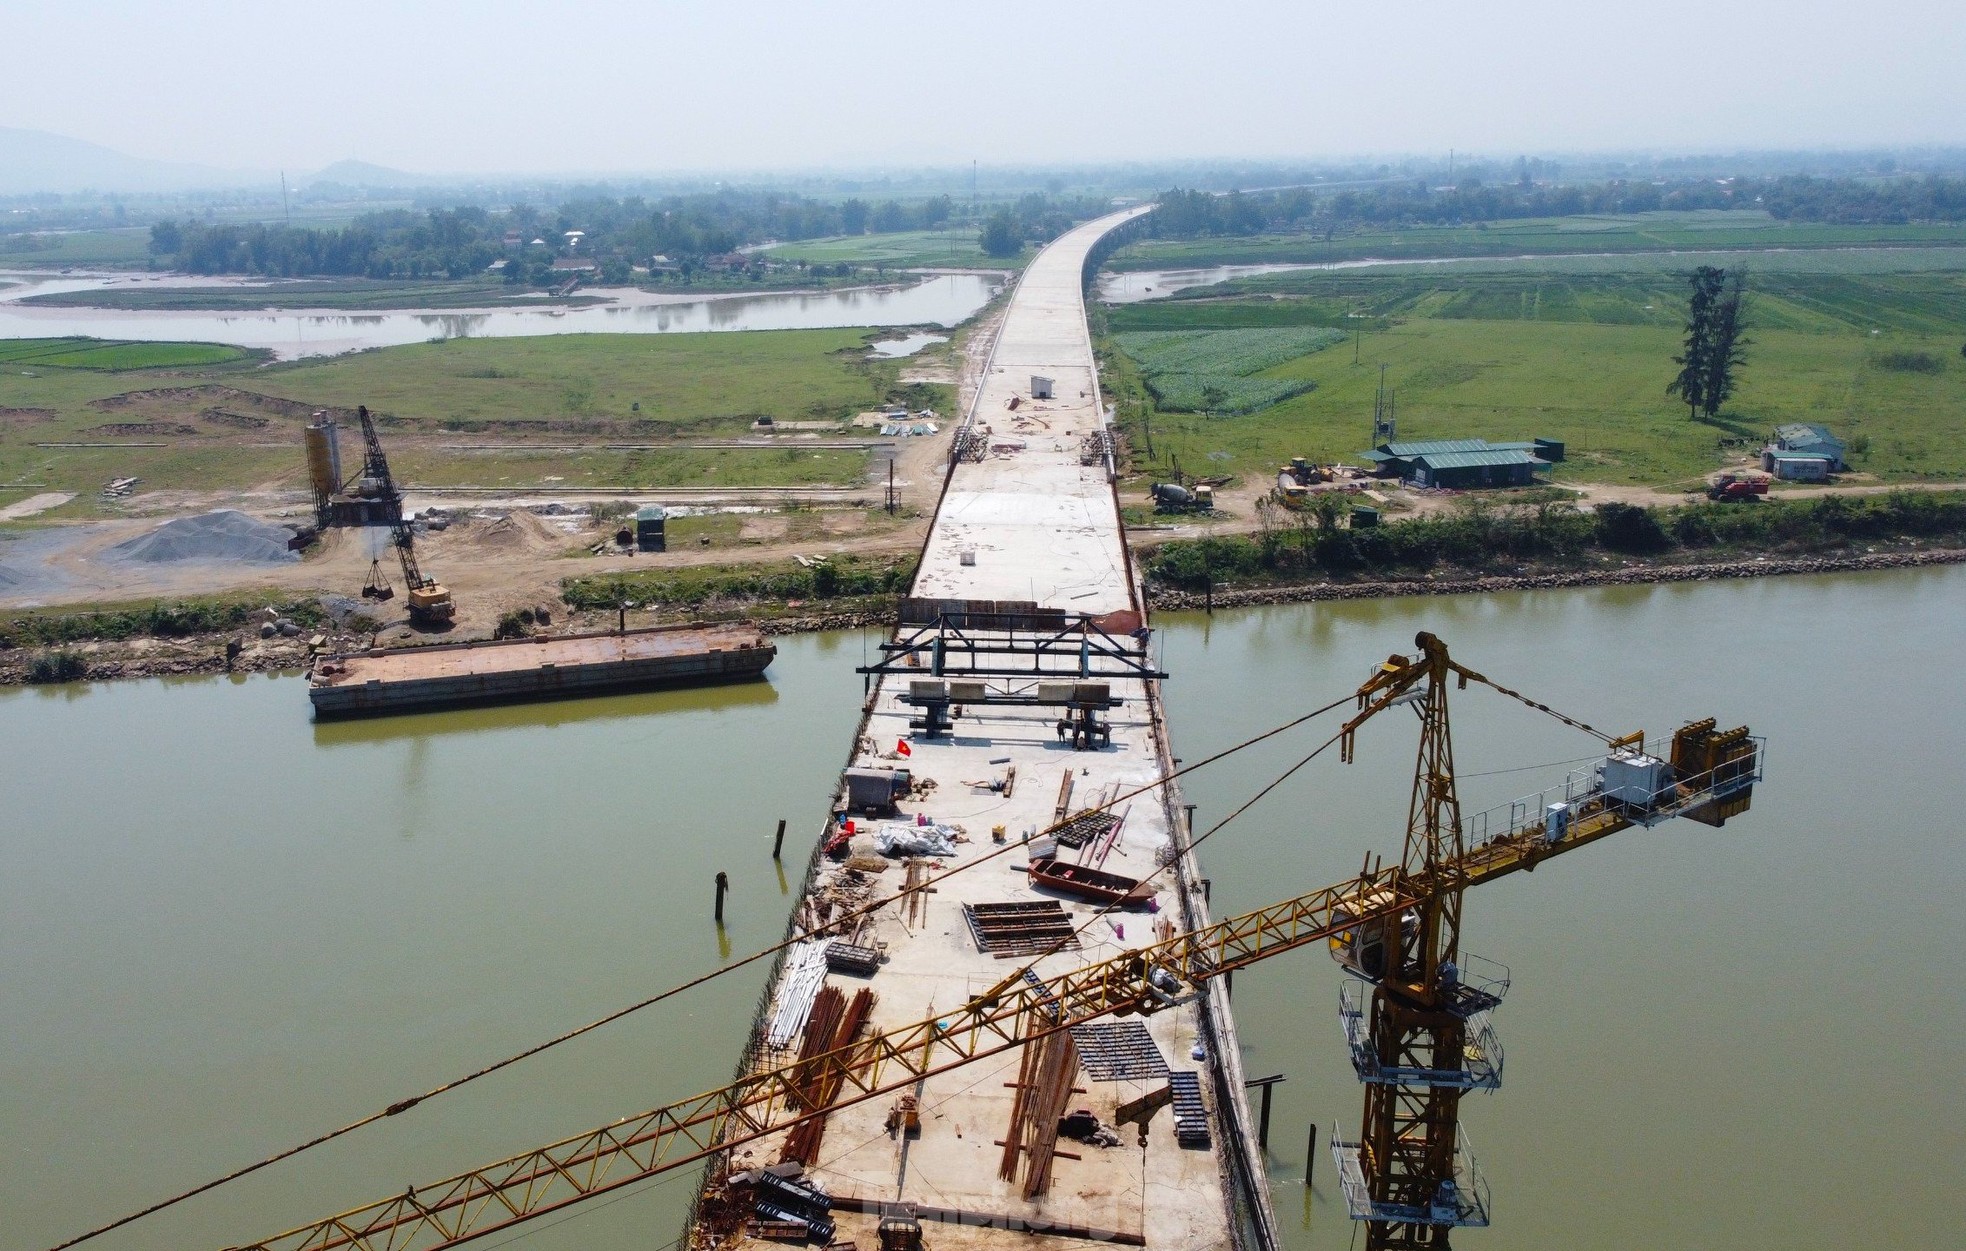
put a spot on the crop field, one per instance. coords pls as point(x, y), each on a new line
point(122, 247)
point(1930, 302)
point(1582, 359)
point(113, 354)
point(901, 249)
point(1636, 232)
point(574, 410)
point(1219, 370)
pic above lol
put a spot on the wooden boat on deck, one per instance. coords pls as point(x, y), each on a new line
point(1084, 882)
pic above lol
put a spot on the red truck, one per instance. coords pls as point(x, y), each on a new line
point(1735, 486)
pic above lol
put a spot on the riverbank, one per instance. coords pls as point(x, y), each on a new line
point(206, 653)
point(1168, 599)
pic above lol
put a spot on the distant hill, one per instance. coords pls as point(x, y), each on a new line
point(36, 161)
point(363, 174)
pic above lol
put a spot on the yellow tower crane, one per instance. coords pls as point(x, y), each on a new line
point(1427, 1037)
point(1396, 928)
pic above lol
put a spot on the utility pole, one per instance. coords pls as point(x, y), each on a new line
point(285, 208)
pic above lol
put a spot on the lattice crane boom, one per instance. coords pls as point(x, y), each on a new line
point(1349, 916)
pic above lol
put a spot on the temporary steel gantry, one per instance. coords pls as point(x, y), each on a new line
point(1397, 927)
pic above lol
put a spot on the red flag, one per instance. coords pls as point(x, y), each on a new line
point(901, 747)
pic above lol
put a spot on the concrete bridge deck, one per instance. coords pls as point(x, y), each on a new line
point(1030, 522)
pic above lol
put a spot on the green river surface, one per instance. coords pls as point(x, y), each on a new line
point(224, 929)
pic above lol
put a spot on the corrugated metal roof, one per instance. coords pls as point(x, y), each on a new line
point(1797, 454)
point(1381, 457)
point(1476, 460)
point(1407, 451)
point(1805, 432)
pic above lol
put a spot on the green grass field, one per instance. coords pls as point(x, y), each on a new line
point(113, 354)
point(1584, 360)
point(901, 250)
point(1639, 294)
point(121, 248)
point(1218, 370)
point(1638, 232)
point(221, 427)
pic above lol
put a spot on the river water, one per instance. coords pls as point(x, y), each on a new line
point(223, 929)
point(941, 299)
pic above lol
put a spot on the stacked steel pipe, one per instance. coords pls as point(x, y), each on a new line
point(832, 1025)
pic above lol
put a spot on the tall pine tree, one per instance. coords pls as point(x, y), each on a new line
point(1726, 345)
point(1690, 384)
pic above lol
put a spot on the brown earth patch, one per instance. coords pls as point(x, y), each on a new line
point(208, 397)
point(152, 428)
point(238, 421)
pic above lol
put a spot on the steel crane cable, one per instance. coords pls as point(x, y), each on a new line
point(1518, 696)
point(404, 1105)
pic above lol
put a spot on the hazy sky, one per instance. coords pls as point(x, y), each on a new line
point(651, 87)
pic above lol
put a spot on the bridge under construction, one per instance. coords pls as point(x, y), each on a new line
point(1000, 1014)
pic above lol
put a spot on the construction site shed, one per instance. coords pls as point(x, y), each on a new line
point(1465, 470)
point(651, 529)
point(1796, 466)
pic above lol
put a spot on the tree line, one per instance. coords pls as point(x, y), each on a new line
point(679, 231)
point(455, 242)
point(1187, 214)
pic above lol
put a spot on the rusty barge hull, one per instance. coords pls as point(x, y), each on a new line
point(571, 666)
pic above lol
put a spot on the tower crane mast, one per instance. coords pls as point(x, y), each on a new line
point(1397, 928)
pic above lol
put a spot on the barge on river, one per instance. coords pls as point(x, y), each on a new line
point(412, 679)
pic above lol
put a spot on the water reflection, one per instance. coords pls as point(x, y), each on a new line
point(941, 300)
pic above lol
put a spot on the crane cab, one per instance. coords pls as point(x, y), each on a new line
point(1369, 949)
point(431, 604)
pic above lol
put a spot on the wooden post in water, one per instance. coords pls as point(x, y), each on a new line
point(1310, 1156)
point(778, 840)
point(723, 884)
point(1269, 1084)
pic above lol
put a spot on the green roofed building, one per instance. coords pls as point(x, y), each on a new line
point(1459, 464)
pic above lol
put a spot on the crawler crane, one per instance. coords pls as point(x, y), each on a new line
point(430, 602)
point(1396, 928)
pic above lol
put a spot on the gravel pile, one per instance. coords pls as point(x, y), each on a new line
point(226, 536)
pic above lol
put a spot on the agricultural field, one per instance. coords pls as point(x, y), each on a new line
point(956, 248)
point(1634, 232)
point(563, 411)
point(1219, 370)
point(113, 354)
point(120, 248)
point(1785, 294)
point(1583, 358)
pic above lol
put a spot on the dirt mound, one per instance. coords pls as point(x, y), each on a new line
point(26, 414)
point(240, 421)
point(178, 398)
point(143, 427)
point(226, 536)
